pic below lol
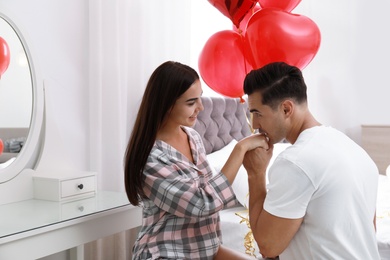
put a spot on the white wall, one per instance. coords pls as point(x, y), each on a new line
point(347, 79)
point(371, 61)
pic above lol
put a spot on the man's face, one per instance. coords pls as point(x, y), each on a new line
point(266, 119)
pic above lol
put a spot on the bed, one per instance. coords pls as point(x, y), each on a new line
point(223, 122)
point(13, 140)
point(376, 141)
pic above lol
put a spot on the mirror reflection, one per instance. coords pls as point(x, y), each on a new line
point(16, 97)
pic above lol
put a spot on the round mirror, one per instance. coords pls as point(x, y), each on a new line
point(21, 105)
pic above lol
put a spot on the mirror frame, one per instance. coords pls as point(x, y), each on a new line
point(29, 154)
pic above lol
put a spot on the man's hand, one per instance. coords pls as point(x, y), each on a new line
point(256, 161)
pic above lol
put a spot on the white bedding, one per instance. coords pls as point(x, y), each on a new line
point(383, 217)
point(233, 232)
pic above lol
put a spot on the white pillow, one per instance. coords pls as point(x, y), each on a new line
point(240, 186)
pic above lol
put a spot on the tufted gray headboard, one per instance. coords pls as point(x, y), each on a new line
point(222, 120)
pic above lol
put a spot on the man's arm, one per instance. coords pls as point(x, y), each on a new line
point(272, 233)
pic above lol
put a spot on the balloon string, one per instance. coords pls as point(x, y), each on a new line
point(248, 119)
point(244, 53)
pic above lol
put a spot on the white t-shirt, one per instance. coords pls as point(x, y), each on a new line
point(331, 182)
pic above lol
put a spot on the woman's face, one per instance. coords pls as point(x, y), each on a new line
point(187, 106)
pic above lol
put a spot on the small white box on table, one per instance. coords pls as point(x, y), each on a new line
point(64, 186)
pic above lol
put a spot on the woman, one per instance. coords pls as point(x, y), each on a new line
point(166, 172)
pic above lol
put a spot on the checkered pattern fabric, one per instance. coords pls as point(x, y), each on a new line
point(180, 214)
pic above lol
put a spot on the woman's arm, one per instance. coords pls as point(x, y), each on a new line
point(236, 158)
point(185, 192)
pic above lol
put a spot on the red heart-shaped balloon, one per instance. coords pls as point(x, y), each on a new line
point(235, 10)
point(276, 35)
point(4, 56)
point(241, 29)
point(222, 63)
point(285, 5)
point(1, 146)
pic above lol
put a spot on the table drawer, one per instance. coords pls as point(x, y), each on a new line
point(78, 208)
point(77, 186)
point(64, 187)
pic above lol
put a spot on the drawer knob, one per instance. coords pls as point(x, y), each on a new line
point(80, 186)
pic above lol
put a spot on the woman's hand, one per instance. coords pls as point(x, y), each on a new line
point(235, 159)
point(254, 141)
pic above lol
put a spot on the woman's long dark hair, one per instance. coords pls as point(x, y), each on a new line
point(166, 84)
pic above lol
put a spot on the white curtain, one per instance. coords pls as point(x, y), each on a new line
point(108, 90)
point(128, 40)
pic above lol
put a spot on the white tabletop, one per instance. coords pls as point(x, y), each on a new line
point(32, 214)
point(34, 229)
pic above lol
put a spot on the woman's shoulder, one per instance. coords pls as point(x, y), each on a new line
point(159, 153)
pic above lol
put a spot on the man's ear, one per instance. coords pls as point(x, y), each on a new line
point(287, 107)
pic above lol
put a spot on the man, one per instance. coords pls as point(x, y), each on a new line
point(321, 197)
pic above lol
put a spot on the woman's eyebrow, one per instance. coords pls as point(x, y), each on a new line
point(191, 99)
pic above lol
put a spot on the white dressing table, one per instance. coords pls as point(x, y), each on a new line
point(33, 228)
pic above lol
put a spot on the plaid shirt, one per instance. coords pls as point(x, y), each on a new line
point(180, 216)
